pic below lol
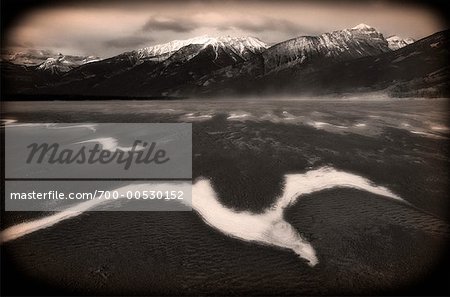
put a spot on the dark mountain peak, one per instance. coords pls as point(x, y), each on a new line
point(357, 42)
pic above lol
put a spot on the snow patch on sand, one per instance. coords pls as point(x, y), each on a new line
point(238, 116)
point(91, 127)
point(288, 116)
point(426, 134)
point(111, 144)
point(25, 228)
point(46, 125)
point(439, 128)
point(193, 117)
point(319, 125)
point(268, 227)
point(10, 124)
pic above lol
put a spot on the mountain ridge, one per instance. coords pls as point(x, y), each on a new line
point(418, 69)
point(209, 66)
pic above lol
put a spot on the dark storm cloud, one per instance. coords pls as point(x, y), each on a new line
point(155, 24)
point(127, 41)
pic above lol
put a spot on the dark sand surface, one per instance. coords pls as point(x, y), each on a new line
point(366, 244)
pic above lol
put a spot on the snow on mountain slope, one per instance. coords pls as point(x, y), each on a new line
point(159, 67)
point(362, 26)
point(63, 63)
point(417, 70)
point(29, 57)
point(241, 45)
point(183, 67)
point(45, 59)
point(226, 65)
point(395, 42)
point(356, 42)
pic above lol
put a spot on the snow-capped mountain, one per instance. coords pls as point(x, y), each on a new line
point(243, 46)
point(310, 52)
point(418, 70)
point(395, 42)
point(207, 59)
point(224, 65)
point(359, 41)
point(30, 57)
point(63, 63)
point(367, 31)
point(181, 60)
point(47, 60)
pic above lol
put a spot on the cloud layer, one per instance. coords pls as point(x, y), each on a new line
point(169, 24)
point(127, 41)
point(109, 28)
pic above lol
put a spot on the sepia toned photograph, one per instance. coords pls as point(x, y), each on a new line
point(225, 148)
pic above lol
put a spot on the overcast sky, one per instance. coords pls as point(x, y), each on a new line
point(106, 29)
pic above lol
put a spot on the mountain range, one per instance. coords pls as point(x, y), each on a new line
point(358, 59)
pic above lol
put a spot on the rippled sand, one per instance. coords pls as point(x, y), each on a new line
point(365, 244)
